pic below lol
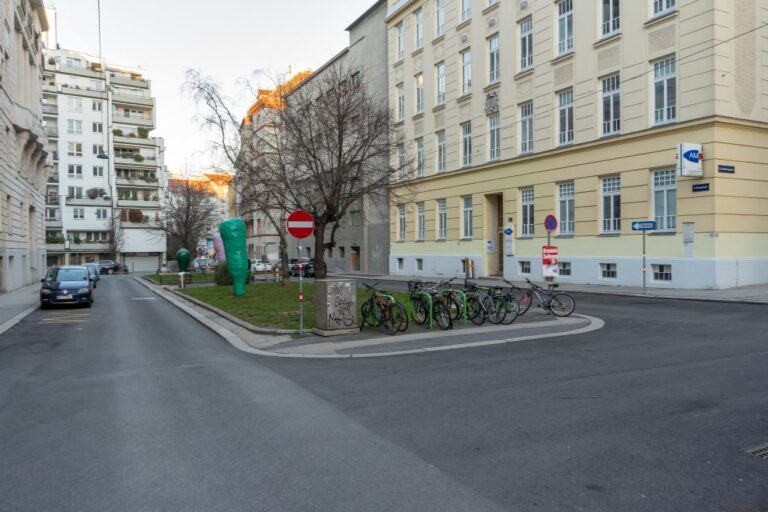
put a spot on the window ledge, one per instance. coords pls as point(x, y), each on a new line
point(609, 235)
point(662, 233)
point(417, 115)
point(524, 73)
point(399, 122)
point(439, 38)
point(616, 36)
point(562, 58)
point(441, 106)
point(463, 24)
point(464, 97)
point(491, 8)
point(565, 235)
point(417, 51)
point(399, 62)
point(419, 241)
point(441, 239)
point(525, 237)
point(610, 135)
point(659, 18)
point(664, 123)
point(465, 239)
point(492, 86)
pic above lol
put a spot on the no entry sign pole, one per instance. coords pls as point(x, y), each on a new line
point(644, 225)
point(300, 225)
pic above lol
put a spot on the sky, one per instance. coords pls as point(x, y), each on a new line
point(225, 39)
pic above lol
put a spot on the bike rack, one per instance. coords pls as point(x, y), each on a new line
point(463, 302)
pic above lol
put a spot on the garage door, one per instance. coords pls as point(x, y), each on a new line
point(142, 263)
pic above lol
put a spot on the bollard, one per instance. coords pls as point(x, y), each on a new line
point(469, 268)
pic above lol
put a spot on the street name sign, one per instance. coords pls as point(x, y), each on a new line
point(644, 225)
point(300, 224)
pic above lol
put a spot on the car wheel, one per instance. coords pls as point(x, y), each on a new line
point(43, 305)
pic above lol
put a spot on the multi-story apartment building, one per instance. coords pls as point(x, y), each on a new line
point(98, 118)
point(519, 109)
point(24, 161)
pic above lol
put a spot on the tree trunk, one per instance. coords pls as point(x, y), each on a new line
point(283, 249)
point(321, 271)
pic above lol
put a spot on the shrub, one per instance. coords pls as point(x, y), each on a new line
point(92, 193)
point(117, 132)
point(137, 157)
point(222, 276)
point(143, 132)
point(124, 215)
point(54, 239)
point(77, 240)
point(135, 215)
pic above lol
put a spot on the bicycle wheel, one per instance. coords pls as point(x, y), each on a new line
point(562, 304)
point(365, 311)
point(525, 302)
point(442, 315)
point(511, 306)
point(404, 324)
point(475, 311)
point(420, 310)
point(391, 319)
point(496, 310)
point(454, 306)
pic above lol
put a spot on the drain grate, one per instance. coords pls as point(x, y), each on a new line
point(760, 451)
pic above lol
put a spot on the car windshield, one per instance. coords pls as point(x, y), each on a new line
point(67, 274)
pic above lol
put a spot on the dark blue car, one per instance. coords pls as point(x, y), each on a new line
point(67, 285)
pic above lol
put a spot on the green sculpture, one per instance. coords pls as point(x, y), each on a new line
point(233, 235)
point(182, 258)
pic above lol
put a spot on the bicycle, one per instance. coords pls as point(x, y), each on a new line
point(429, 304)
point(510, 302)
point(383, 311)
point(560, 304)
point(484, 303)
point(456, 300)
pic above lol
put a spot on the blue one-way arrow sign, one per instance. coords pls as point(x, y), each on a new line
point(644, 225)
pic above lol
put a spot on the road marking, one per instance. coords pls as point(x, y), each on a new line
point(144, 298)
point(65, 318)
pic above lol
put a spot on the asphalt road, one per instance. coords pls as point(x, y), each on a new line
point(132, 406)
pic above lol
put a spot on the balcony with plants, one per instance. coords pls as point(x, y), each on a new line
point(136, 218)
point(137, 198)
point(134, 136)
point(136, 178)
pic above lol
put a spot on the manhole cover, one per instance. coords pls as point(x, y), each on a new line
point(760, 451)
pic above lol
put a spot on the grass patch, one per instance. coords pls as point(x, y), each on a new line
point(173, 279)
point(271, 304)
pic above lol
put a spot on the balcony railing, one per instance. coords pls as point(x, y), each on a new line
point(52, 131)
point(51, 109)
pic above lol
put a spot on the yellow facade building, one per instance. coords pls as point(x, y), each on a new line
point(513, 110)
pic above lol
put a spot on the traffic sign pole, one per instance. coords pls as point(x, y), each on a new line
point(300, 225)
point(644, 225)
point(301, 293)
point(643, 261)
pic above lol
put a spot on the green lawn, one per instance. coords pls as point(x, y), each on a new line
point(172, 279)
point(270, 304)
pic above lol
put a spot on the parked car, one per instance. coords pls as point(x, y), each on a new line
point(293, 268)
point(204, 265)
point(108, 266)
point(67, 285)
point(260, 266)
point(94, 270)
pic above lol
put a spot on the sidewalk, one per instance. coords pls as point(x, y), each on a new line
point(757, 294)
point(16, 305)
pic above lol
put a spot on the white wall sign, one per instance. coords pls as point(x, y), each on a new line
point(689, 160)
point(490, 246)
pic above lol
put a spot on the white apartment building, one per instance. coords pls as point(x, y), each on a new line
point(98, 118)
point(24, 161)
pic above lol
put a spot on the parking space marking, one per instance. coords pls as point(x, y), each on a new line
point(65, 318)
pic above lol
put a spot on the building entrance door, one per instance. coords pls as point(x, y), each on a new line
point(355, 259)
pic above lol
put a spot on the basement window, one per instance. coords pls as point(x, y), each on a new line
point(525, 267)
point(662, 272)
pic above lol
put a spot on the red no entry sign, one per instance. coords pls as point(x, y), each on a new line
point(300, 224)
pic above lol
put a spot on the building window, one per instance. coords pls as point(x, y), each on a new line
point(566, 203)
point(526, 127)
point(78, 213)
point(439, 17)
point(564, 26)
point(419, 264)
point(96, 105)
point(98, 171)
point(401, 223)
point(611, 105)
point(466, 72)
point(526, 213)
point(75, 171)
point(400, 263)
point(525, 267)
point(342, 253)
point(662, 272)
point(74, 105)
point(494, 137)
point(400, 102)
point(611, 20)
point(664, 91)
point(440, 83)
point(526, 44)
point(401, 161)
point(74, 149)
point(420, 221)
point(98, 127)
point(466, 144)
point(74, 127)
point(494, 62)
point(419, 93)
point(466, 9)
point(608, 270)
point(565, 117)
point(74, 192)
point(400, 41)
point(101, 213)
point(663, 6)
point(441, 151)
point(420, 156)
point(419, 15)
point(612, 204)
point(665, 200)
point(98, 149)
point(442, 219)
point(467, 216)
point(564, 268)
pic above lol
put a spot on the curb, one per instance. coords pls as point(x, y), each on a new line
point(234, 340)
point(10, 324)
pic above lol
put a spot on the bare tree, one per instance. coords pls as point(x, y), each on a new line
point(329, 148)
point(115, 235)
point(188, 214)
